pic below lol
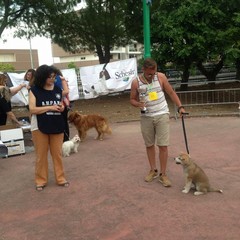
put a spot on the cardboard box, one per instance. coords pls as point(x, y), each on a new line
point(8, 126)
point(13, 140)
point(3, 150)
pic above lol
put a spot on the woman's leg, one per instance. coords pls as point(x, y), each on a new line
point(41, 142)
point(56, 141)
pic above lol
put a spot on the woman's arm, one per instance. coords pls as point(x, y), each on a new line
point(15, 90)
point(12, 116)
point(65, 90)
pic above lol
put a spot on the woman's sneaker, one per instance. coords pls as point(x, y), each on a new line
point(163, 179)
point(151, 175)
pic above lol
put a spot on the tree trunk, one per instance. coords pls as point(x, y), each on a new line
point(103, 54)
point(185, 76)
point(238, 69)
point(211, 73)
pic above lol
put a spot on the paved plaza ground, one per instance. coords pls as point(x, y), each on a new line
point(108, 198)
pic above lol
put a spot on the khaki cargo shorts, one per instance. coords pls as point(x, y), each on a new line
point(155, 130)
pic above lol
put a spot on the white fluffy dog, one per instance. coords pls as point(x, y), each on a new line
point(71, 146)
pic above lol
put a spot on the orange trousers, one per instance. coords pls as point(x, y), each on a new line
point(42, 144)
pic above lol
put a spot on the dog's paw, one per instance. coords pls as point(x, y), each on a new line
point(198, 193)
point(185, 191)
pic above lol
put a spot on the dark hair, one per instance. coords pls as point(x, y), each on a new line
point(57, 70)
point(42, 74)
point(149, 63)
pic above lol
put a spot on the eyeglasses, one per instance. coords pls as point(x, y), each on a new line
point(52, 77)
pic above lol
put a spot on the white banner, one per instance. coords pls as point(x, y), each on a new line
point(21, 98)
point(108, 78)
point(71, 77)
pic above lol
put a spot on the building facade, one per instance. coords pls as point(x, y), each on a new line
point(62, 59)
point(20, 59)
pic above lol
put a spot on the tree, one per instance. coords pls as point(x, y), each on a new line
point(5, 67)
point(191, 32)
point(99, 27)
point(233, 52)
point(187, 32)
point(31, 12)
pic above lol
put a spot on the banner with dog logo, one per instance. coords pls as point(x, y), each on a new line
point(108, 78)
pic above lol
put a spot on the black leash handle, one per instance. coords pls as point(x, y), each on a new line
point(184, 131)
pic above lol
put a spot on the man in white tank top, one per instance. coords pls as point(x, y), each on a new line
point(147, 93)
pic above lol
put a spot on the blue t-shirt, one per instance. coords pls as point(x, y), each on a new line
point(58, 82)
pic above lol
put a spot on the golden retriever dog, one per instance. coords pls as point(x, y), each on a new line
point(194, 176)
point(84, 122)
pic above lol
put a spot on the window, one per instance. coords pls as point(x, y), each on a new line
point(8, 57)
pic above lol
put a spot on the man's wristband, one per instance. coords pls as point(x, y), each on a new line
point(180, 107)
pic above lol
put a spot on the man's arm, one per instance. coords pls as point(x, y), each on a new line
point(171, 93)
point(134, 95)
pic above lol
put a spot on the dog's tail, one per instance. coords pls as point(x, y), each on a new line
point(215, 190)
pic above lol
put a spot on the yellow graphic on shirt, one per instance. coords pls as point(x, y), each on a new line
point(152, 96)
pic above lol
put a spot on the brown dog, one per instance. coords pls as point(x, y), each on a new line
point(84, 122)
point(194, 175)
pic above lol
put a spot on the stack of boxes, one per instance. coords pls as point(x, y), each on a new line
point(13, 140)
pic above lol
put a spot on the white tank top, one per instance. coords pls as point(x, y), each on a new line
point(159, 105)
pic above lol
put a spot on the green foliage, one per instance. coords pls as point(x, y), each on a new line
point(98, 27)
point(29, 15)
point(72, 65)
point(6, 67)
point(187, 32)
point(134, 20)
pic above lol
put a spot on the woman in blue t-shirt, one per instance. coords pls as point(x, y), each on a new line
point(47, 126)
point(61, 82)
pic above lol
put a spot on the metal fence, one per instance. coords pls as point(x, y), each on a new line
point(211, 96)
point(206, 97)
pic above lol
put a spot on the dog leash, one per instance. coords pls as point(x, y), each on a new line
point(184, 131)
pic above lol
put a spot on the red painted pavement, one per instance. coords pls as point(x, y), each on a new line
point(108, 198)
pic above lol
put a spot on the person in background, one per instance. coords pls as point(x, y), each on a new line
point(5, 101)
point(47, 125)
point(29, 76)
point(154, 115)
point(61, 82)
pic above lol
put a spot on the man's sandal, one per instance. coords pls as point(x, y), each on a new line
point(40, 188)
point(66, 184)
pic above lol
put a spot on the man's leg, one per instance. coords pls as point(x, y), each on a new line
point(148, 134)
point(151, 157)
point(163, 158)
